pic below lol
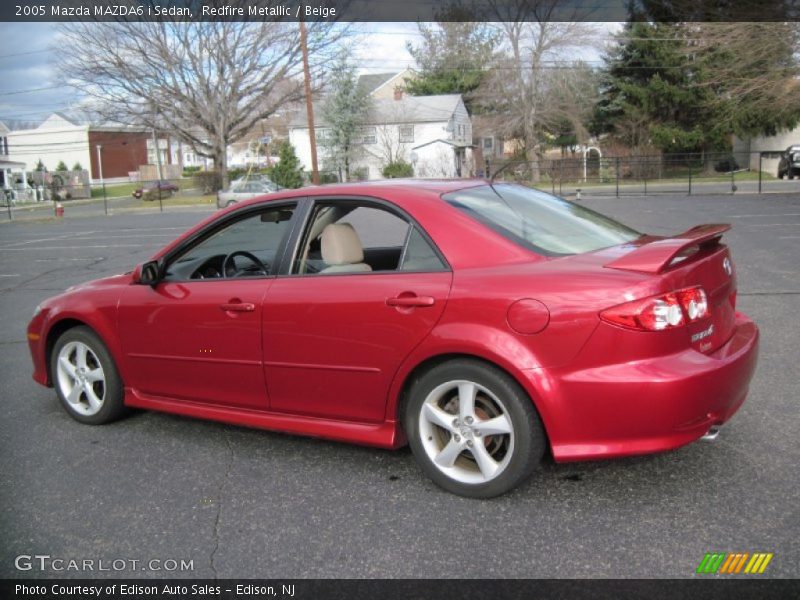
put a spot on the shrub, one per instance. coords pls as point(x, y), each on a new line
point(61, 166)
point(359, 174)
point(77, 167)
point(189, 171)
point(398, 168)
point(208, 181)
point(328, 177)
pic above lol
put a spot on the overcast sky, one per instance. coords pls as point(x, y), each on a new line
point(29, 62)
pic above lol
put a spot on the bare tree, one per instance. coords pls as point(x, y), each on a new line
point(207, 83)
point(526, 81)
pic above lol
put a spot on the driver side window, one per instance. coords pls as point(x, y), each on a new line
point(247, 247)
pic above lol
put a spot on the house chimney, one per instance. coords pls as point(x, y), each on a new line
point(398, 92)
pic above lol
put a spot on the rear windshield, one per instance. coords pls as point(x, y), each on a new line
point(539, 221)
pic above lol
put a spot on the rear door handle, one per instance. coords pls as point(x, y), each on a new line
point(238, 307)
point(410, 301)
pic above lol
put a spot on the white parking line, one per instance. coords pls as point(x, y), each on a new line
point(81, 247)
point(766, 215)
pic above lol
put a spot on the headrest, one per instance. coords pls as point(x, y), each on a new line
point(340, 245)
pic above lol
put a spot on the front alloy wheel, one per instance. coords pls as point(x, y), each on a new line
point(86, 378)
point(473, 430)
point(81, 379)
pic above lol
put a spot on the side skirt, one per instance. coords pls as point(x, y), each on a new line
point(382, 435)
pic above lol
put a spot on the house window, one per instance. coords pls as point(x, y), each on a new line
point(4, 146)
point(369, 135)
point(462, 131)
point(488, 143)
point(406, 133)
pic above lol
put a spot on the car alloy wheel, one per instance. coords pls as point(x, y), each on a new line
point(86, 378)
point(473, 430)
point(466, 432)
point(81, 379)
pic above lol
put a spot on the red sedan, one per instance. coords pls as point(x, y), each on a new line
point(482, 324)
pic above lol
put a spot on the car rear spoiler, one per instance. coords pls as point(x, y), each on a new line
point(655, 257)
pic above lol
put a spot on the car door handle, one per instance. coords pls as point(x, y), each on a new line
point(410, 301)
point(238, 307)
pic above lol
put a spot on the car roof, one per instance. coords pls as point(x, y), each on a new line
point(390, 188)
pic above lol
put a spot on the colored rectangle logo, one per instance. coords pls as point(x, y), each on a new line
point(734, 563)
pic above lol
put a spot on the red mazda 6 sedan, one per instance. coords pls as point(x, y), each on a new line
point(484, 324)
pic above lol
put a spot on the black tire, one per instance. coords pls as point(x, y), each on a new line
point(524, 447)
point(111, 387)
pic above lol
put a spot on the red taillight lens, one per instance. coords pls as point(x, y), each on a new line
point(658, 313)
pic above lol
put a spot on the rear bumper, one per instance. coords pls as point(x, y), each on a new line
point(650, 405)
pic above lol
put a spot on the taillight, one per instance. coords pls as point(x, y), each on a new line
point(658, 313)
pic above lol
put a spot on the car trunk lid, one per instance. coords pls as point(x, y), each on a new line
point(695, 257)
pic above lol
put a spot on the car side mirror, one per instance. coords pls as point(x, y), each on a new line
point(150, 273)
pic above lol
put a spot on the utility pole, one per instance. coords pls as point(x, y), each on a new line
point(312, 136)
point(102, 180)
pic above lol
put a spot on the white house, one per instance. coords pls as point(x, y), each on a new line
point(433, 133)
point(764, 151)
point(10, 170)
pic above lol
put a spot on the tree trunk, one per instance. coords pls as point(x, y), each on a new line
point(221, 164)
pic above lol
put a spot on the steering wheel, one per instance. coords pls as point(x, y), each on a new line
point(262, 269)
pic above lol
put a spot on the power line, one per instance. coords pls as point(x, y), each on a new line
point(41, 89)
point(25, 53)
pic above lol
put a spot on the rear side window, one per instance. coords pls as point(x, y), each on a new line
point(538, 221)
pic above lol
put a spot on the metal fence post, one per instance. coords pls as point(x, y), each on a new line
point(617, 168)
point(560, 176)
point(644, 175)
point(8, 205)
point(690, 176)
point(105, 198)
point(760, 158)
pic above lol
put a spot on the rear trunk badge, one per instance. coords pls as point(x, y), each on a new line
point(726, 264)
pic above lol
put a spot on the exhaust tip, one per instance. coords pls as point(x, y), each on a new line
point(712, 433)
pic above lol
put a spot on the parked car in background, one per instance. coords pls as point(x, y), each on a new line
point(244, 189)
point(155, 190)
point(483, 324)
point(789, 166)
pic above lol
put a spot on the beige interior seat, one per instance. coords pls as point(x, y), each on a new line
point(342, 250)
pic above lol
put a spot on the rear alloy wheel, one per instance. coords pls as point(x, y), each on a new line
point(473, 430)
point(86, 378)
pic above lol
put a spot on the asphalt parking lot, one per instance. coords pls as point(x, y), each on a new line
point(248, 503)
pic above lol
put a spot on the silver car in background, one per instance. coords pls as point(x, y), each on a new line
point(244, 189)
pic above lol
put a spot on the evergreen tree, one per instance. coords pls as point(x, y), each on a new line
point(651, 96)
point(688, 87)
point(344, 113)
point(287, 172)
point(61, 166)
point(453, 58)
point(77, 167)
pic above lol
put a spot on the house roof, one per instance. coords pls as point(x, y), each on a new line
point(443, 141)
point(409, 109)
point(372, 81)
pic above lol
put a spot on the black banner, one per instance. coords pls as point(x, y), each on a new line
point(396, 10)
point(390, 589)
